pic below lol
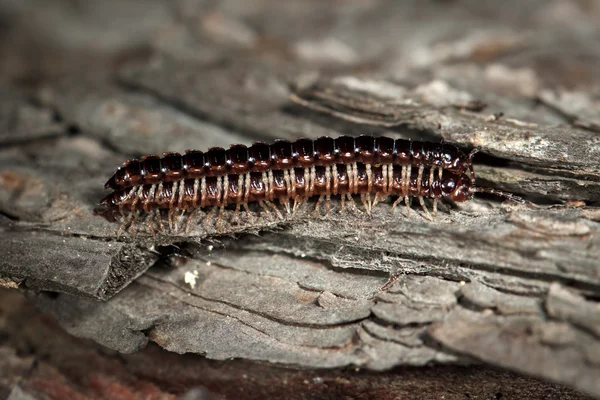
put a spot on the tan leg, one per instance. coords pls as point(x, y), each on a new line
point(328, 204)
point(366, 200)
point(384, 177)
point(390, 181)
point(181, 194)
point(161, 227)
point(203, 192)
point(431, 171)
point(174, 195)
point(149, 199)
point(407, 180)
point(343, 204)
point(271, 187)
point(135, 216)
point(240, 191)
point(298, 201)
point(407, 201)
point(189, 220)
point(435, 202)
point(334, 175)
point(265, 208)
point(350, 178)
point(136, 199)
point(225, 191)
point(220, 219)
point(398, 200)
point(427, 214)
point(419, 178)
point(318, 206)
point(176, 220)
point(208, 219)
point(403, 180)
point(327, 180)
point(288, 185)
point(307, 182)
point(170, 219)
point(378, 198)
point(236, 213)
point(248, 213)
point(369, 180)
point(274, 207)
point(265, 181)
point(355, 177)
point(313, 178)
point(293, 183)
point(150, 222)
point(196, 191)
point(123, 226)
point(247, 189)
point(351, 201)
point(286, 204)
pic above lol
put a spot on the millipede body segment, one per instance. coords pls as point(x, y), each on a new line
point(283, 154)
point(294, 171)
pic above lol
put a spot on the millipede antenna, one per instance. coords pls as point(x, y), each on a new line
point(471, 154)
point(500, 193)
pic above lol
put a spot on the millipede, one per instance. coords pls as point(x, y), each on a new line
point(296, 171)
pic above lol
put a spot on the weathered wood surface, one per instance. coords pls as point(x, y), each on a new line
point(508, 285)
point(39, 360)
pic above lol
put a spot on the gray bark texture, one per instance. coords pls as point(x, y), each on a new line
point(488, 282)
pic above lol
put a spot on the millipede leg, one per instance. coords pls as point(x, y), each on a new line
point(264, 207)
point(170, 219)
point(328, 204)
point(407, 201)
point(398, 200)
point(122, 226)
point(150, 222)
point(366, 200)
point(220, 219)
point(247, 209)
point(435, 203)
point(159, 218)
point(297, 203)
point(274, 207)
point(189, 220)
point(286, 204)
point(236, 213)
point(431, 172)
point(207, 220)
point(318, 206)
point(427, 214)
point(419, 178)
point(176, 220)
point(351, 201)
point(378, 198)
point(343, 204)
point(136, 214)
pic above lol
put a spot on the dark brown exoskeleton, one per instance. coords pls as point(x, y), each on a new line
point(294, 171)
point(283, 154)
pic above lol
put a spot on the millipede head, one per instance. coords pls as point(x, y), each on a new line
point(463, 188)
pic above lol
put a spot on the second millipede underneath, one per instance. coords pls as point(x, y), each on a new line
point(292, 171)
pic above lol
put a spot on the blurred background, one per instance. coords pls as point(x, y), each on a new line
point(520, 46)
